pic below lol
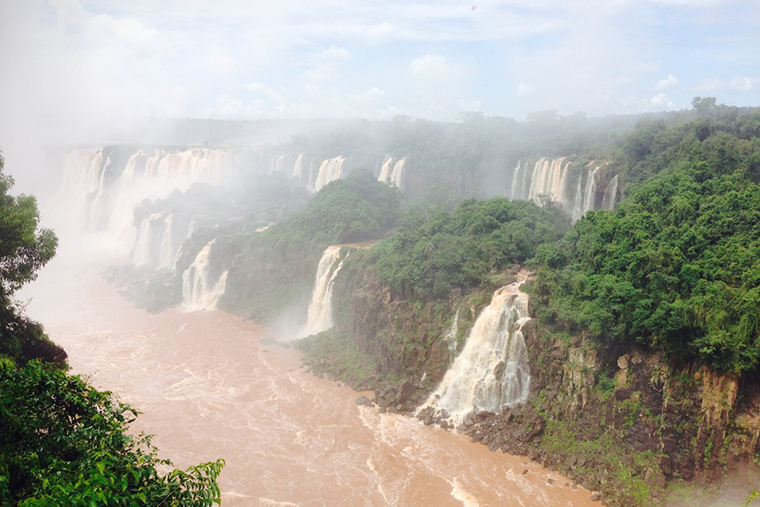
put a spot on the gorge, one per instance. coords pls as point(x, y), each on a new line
point(568, 318)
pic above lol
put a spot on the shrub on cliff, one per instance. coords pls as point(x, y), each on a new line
point(677, 266)
point(435, 252)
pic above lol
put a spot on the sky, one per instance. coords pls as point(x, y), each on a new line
point(85, 66)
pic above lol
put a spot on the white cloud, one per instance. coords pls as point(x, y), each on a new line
point(662, 100)
point(664, 84)
point(371, 95)
point(744, 84)
point(335, 53)
point(524, 89)
point(437, 67)
point(381, 32)
point(709, 85)
point(469, 105)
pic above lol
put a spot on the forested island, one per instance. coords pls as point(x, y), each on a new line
point(635, 238)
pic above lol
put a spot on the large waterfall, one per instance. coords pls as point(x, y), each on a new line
point(573, 186)
point(330, 170)
point(200, 288)
point(492, 370)
point(106, 184)
point(320, 308)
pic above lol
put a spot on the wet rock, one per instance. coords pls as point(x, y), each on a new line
point(595, 496)
point(363, 400)
point(524, 472)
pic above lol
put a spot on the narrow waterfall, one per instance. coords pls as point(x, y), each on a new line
point(451, 337)
point(610, 195)
point(578, 212)
point(166, 250)
point(397, 176)
point(320, 308)
point(385, 170)
point(200, 291)
point(492, 370)
point(590, 193)
point(516, 190)
point(142, 253)
point(298, 167)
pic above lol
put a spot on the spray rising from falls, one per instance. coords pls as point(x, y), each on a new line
point(320, 308)
point(200, 288)
point(492, 371)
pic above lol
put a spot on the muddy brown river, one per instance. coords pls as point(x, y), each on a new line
point(208, 388)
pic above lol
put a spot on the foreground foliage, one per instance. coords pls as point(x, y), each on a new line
point(65, 443)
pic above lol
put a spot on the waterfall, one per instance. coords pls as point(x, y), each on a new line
point(320, 308)
point(385, 170)
point(199, 290)
point(451, 337)
point(330, 170)
point(492, 370)
point(590, 193)
point(166, 250)
point(610, 195)
point(392, 172)
point(516, 191)
point(298, 167)
point(397, 176)
point(556, 179)
point(109, 193)
point(142, 253)
point(82, 170)
point(578, 201)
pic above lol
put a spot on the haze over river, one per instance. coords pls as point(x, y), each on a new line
point(208, 388)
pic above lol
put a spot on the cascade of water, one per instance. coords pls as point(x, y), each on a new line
point(320, 308)
point(610, 195)
point(298, 167)
point(451, 337)
point(537, 180)
point(385, 170)
point(330, 170)
point(492, 370)
point(141, 253)
point(199, 290)
point(516, 191)
point(82, 170)
point(397, 176)
point(166, 250)
point(589, 196)
point(578, 201)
